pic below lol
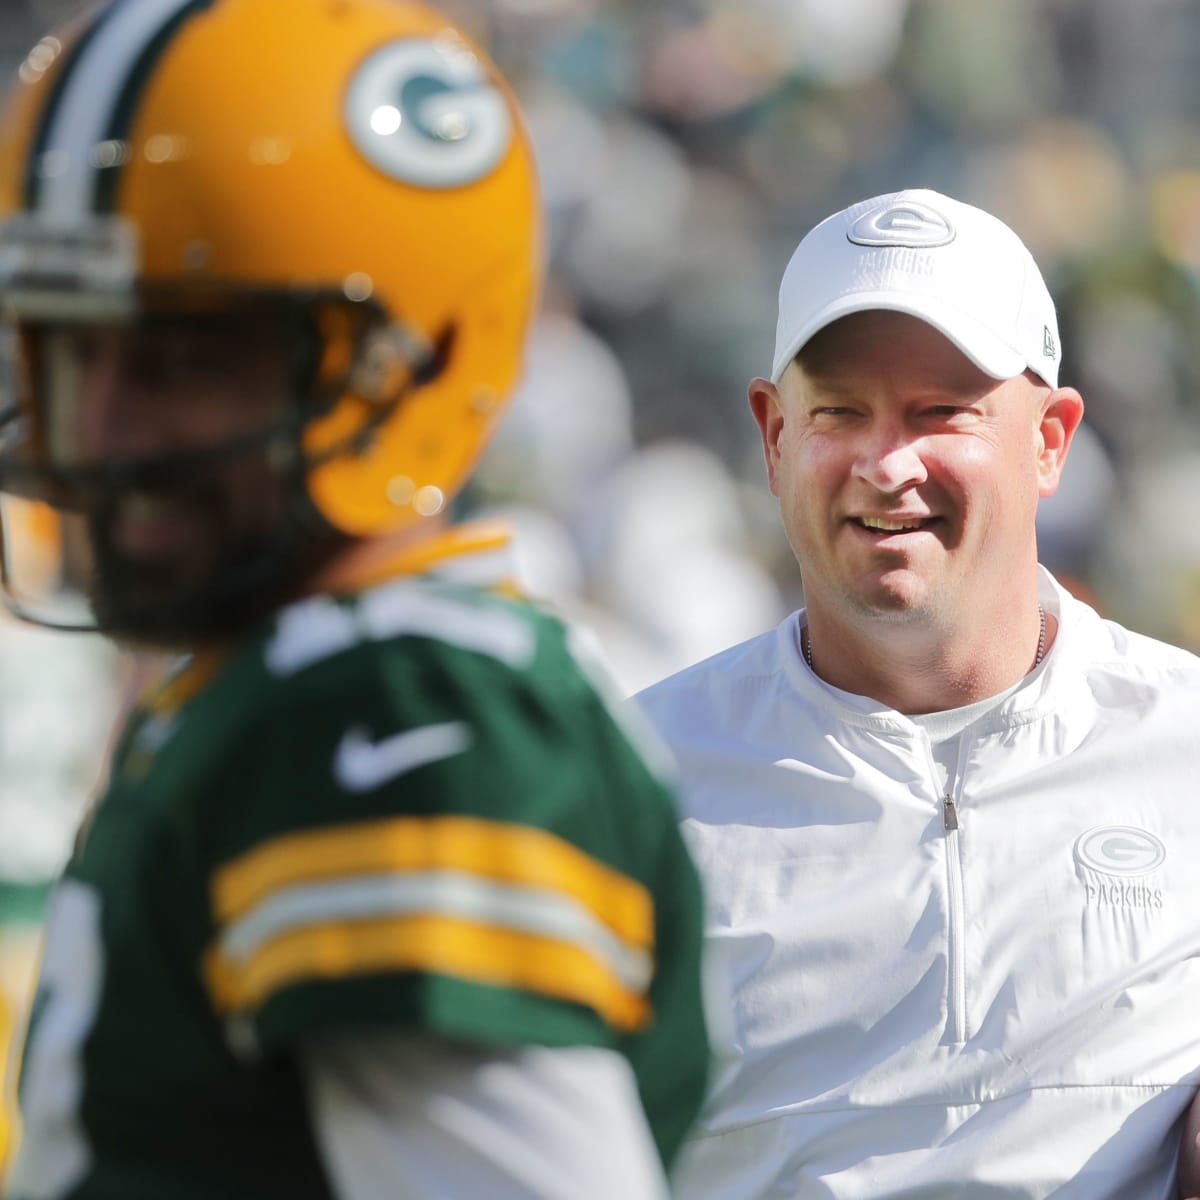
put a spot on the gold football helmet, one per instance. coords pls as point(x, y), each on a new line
point(358, 161)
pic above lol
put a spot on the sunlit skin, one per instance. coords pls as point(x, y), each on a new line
point(882, 419)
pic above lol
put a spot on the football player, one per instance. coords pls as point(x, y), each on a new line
point(380, 901)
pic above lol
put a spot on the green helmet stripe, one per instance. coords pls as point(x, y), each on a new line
point(131, 93)
point(78, 153)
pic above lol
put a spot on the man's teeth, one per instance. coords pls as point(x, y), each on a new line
point(890, 526)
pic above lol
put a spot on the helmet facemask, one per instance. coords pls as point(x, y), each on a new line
point(181, 525)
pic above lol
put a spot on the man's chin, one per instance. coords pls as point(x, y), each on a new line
point(156, 601)
point(898, 596)
point(143, 617)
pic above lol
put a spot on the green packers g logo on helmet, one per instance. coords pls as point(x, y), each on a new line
point(425, 112)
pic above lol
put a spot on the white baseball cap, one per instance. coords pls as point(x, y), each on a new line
point(952, 265)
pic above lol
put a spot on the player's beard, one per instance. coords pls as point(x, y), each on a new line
point(241, 575)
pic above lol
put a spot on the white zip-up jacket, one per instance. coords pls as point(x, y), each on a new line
point(1006, 1008)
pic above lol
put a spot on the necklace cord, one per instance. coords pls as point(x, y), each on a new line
point(806, 640)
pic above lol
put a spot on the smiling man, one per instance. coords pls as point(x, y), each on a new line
point(945, 812)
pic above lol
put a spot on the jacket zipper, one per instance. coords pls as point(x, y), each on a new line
point(955, 953)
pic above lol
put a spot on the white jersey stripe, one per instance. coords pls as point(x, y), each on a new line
point(442, 893)
point(400, 608)
point(86, 107)
point(320, 627)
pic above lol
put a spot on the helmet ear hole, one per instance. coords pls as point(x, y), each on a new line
point(443, 348)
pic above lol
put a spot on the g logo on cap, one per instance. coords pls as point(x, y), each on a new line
point(908, 224)
point(424, 111)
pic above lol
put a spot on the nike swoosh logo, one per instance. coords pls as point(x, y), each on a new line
point(361, 764)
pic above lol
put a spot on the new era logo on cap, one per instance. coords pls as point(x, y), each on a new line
point(906, 224)
point(1049, 349)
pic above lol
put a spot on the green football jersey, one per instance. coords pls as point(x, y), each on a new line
point(407, 810)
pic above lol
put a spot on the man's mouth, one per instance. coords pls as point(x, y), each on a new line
point(148, 525)
point(894, 524)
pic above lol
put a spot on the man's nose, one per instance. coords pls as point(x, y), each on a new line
point(890, 457)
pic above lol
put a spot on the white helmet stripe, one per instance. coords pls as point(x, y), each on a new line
point(69, 163)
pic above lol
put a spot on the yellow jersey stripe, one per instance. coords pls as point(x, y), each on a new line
point(444, 893)
point(170, 688)
point(496, 850)
point(465, 949)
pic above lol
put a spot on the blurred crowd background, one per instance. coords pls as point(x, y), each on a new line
point(684, 146)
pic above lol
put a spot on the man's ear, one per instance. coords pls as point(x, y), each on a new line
point(1061, 415)
point(767, 407)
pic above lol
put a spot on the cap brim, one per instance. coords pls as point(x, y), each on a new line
point(989, 353)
